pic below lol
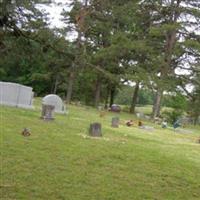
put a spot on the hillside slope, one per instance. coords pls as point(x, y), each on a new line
point(59, 161)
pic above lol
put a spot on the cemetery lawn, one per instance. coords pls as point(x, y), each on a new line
point(59, 161)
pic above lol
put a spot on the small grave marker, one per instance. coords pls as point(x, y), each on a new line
point(95, 130)
point(47, 112)
point(115, 122)
point(115, 108)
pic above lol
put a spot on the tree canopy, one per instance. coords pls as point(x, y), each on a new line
point(153, 44)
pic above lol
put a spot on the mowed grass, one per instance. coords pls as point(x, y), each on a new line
point(59, 161)
point(147, 110)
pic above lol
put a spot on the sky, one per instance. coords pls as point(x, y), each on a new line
point(55, 10)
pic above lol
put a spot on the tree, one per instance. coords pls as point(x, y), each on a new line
point(169, 32)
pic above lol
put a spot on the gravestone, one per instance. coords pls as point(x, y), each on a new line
point(95, 130)
point(115, 108)
point(140, 115)
point(55, 101)
point(176, 124)
point(47, 112)
point(115, 122)
point(14, 94)
point(164, 124)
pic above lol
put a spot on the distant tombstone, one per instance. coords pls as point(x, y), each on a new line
point(140, 115)
point(176, 124)
point(115, 108)
point(55, 101)
point(95, 130)
point(115, 122)
point(14, 94)
point(47, 112)
point(164, 124)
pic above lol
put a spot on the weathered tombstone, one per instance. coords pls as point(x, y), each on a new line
point(47, 112)
point(115, 108)
point(95, 130)
point(140, 115)
point(164, 124)
point(115, 122)
point(55, 101)
point(176, 124)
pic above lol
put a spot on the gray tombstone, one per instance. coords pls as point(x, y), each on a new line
point(115, 108)
point(55, 101)
point(140, 115)
point(47, 112)
point(95, 130)
point(115, 122)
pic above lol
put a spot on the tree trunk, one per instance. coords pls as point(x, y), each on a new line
point(112, 95)
point(70, 87)
point(167, 68)
point(135, 96)
point(97, 93)
point(56, 85)
point(157, 104)
point(196, 118)
point(107, 97)
point(74, 67)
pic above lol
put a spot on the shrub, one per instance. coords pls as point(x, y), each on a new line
point(172, 116)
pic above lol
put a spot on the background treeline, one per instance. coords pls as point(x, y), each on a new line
point(146, 43)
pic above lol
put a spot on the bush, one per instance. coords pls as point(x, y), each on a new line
point(172, 116)
point(125, 108)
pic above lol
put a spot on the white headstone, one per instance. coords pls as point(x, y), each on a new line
point(56, 101)
point(13, 94)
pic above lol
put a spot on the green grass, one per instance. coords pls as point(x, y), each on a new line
point(147, 110)
point(59, 161)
